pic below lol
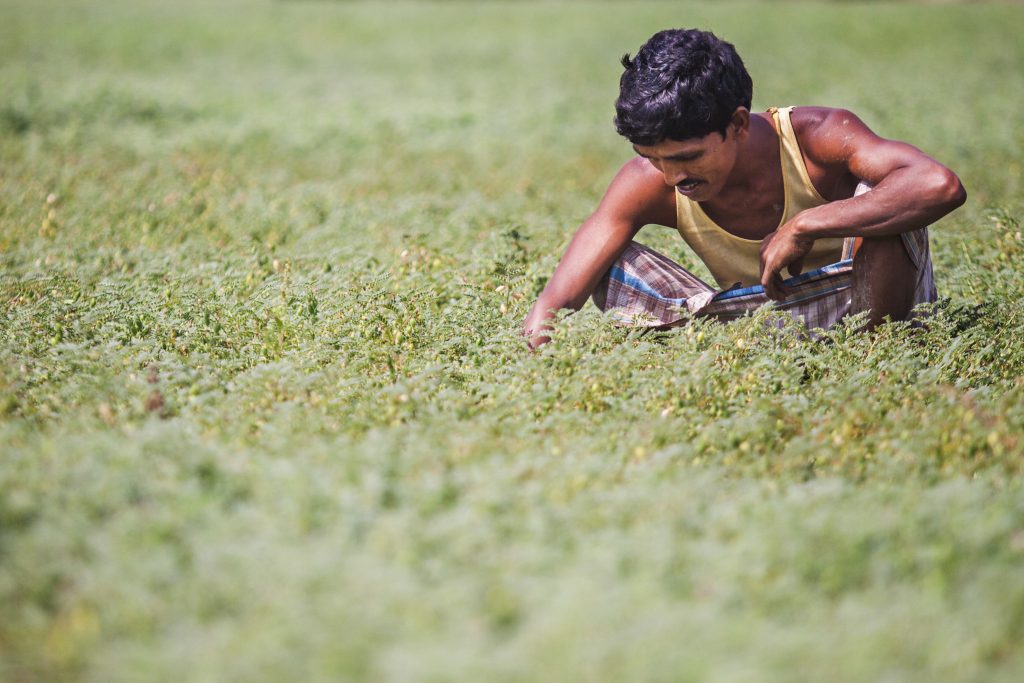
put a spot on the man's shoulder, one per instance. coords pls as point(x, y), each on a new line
point(829, 136)
point(639, 178)
point(814, 120)
point(640, 170)
point(638, 193)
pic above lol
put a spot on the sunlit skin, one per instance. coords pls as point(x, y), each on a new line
point(736, 176)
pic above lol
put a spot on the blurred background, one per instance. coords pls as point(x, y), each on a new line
point(265, 414)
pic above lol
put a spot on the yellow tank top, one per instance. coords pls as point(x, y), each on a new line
point(733, 259)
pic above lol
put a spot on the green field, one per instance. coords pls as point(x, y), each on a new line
point(265, 414)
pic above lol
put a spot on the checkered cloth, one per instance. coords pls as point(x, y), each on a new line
point(646, 288)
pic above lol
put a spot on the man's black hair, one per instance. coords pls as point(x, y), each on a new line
point(683, 83)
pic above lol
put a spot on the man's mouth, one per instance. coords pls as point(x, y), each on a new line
point(689, 185)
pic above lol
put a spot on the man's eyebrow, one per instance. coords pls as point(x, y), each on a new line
point(678, 156)
point(686, 155)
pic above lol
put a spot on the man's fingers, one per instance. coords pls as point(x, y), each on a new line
point(779, 290)
point(765, 243)
point(771, 277)
point(773, 287)
point(796, 267)
point(768, 282)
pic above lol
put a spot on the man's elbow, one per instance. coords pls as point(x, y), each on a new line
point(947, 190)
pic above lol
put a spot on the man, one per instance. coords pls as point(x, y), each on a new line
point(752, 194)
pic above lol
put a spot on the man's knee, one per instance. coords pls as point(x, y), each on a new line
point(884, 279)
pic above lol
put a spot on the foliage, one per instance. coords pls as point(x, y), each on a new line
point(265, 413)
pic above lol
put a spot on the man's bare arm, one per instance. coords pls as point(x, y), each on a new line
point(910, 190)
point(636, 197)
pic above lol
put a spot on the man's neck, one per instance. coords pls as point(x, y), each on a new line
point(753, 199)
point(757, 158)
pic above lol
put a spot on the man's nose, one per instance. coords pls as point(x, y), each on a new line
point(674, 173)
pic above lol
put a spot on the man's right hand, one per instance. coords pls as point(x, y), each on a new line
point(636, 197)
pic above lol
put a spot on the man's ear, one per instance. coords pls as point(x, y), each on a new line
point(740, 121)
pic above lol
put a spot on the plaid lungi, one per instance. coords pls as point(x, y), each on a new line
point(646, 288)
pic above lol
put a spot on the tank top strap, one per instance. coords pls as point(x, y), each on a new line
point(800, 191)
point(687, 221)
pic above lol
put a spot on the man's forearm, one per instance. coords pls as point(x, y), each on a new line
point(637, 197)
point(573, 281)
point(906, 200)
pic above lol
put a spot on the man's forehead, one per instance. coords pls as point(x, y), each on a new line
point(670, 147)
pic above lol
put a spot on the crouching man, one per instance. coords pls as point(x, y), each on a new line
point(811, 191)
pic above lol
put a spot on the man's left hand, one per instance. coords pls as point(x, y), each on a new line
point(780, 249)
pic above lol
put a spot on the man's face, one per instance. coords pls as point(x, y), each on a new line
point(697, 167)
